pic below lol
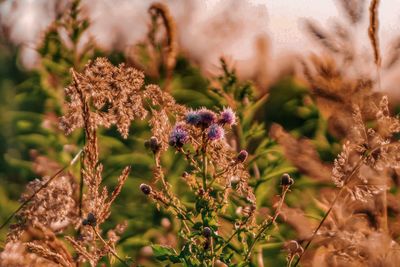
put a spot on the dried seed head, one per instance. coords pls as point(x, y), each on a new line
point(286, 180)
point(146, 189)
point(153, 144)
point(215, 132)
point(207, 232)
point(242, 156)
point(227, 116)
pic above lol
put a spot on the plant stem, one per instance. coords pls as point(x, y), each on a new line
point(232, 236)
point(204, 158)
point(82, 167)
point(204, 169)
point(109, 247)
point(356, 168)
point(267, 224)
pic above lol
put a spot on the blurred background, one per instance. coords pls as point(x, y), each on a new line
point(273, 51)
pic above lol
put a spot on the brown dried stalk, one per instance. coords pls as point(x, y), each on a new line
point(160, 9)
point(109, 247)
point(373, 30)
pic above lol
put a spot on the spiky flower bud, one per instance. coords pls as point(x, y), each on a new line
point(207, 117)
point(193, 118)
point(215, 132)
point(242, 156)
point(90, 220)
point(178, 136)
point(146, 189)
point(227, 116)
point(286, 180)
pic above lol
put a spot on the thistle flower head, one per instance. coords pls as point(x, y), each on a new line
point(215, 132)
point(227, 116)
point(207, 117)
point(193, 117)
point(242, 156)
point(179, 136)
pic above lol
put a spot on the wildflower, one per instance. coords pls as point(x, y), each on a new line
point(286, 180)
point(207, 117)
point(178, 136)
point(153, 144)
point(193, 118)
point(146, 189)
point(215, 132)
point(242, 156)
point(227, 116)
point(207, 232)
point(90, 220)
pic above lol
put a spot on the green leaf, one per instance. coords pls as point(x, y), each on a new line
point(163, 253)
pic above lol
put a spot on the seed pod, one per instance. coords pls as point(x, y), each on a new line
point(286, 180)
point(146, 189)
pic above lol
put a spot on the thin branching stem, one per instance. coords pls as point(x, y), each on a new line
point(82, 167)
point(347, 179)
point(109, 247)
point(267, 224)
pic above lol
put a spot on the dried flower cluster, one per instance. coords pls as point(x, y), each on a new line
point(357, 219)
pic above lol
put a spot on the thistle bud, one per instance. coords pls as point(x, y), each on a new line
point(242, 156)
point(90, 220)
point(207, 232)
point(227, 116)
point(146, 189)
point(153, 144)
point(286, 180)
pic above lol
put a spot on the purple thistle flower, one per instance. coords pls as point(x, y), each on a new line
point(215, 132)
point(193, 117)
point(207, 117)
point(227, 116)
point(178, 136)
